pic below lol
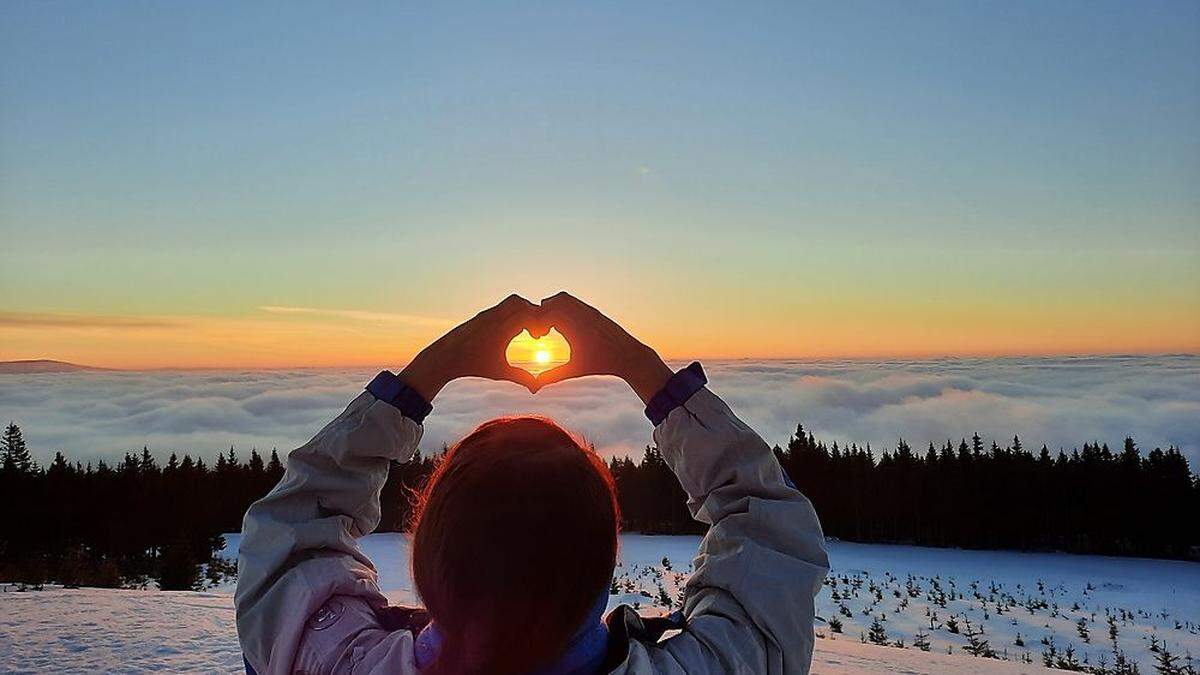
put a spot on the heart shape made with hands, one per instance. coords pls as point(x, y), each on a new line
point(537, 355)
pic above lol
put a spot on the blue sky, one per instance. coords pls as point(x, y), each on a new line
point(840, 162)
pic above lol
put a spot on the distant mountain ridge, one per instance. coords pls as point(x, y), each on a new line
point(42, 366)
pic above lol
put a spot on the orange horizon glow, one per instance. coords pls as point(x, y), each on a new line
point(277, 341)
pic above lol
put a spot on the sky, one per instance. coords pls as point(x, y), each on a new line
point(1062, 402)
point(321, 184)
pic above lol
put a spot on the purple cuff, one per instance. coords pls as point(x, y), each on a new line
point(676, 392)
point(388, 388)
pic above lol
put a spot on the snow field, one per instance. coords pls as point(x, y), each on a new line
point(102, 630)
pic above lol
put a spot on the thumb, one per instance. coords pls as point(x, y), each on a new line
point(565, 371)
point(522, 377)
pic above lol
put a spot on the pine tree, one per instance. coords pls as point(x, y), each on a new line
point(1167, 663)
point(275, 467)
point(59, 466)
point(16, 459)
point(1068, 661)
point(178, 569)
point(877, 635)
point(977, 645)
point(255, 465)
point(147, 464)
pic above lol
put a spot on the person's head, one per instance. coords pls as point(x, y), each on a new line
point(514, 538)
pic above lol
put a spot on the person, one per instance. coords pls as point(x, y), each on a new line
point(515, 537)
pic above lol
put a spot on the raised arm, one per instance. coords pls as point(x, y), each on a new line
point(749, 603)
point(307, 596)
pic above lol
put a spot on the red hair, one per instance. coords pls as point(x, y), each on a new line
point(514, 537)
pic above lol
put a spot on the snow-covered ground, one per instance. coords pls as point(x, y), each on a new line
point(93, 630)
point(1042, 597)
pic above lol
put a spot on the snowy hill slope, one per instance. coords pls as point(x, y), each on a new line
point(95, 630)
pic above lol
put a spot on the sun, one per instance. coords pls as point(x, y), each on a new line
point(537, 355)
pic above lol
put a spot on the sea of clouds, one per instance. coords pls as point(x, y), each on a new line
point(1062, 402)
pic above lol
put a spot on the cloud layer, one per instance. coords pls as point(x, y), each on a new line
point(1058, 401)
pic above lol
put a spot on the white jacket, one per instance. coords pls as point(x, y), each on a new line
point(307, 595)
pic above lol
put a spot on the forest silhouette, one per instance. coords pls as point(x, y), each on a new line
point(138, 521)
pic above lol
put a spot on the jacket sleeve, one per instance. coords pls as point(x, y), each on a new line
point(306, 592)
point(749, 605)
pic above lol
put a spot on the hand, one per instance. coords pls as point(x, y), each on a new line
point(474, 349)
point(599, 347)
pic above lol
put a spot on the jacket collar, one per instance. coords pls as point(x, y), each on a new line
point(584, 655)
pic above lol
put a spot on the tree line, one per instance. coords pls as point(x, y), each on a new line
point(124, 524)
point(1091, 500)
point(138, 520)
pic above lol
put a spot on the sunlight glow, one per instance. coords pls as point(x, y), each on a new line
point(538, 355)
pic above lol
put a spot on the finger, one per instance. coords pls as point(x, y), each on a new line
point(565, 312)
point(515, 313)
point(563, 301)
point(538, 325)
point(511, 305)
point(566, 371)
